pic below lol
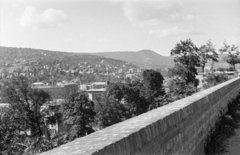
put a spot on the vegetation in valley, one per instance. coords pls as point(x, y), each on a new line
point(26, 124)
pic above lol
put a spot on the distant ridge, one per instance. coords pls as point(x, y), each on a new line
point(13, 55)
point(151, 58)
point(142, 57)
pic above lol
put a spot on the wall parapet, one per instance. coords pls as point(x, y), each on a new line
point(177, 128)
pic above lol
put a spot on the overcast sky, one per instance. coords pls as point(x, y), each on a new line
point(117, 25)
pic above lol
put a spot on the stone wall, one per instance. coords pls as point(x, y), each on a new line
point(177, 128)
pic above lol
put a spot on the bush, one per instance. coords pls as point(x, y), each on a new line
point(212, 79)
point(225, 69)
point(221, 69)
point(179, 89)
point(230, 69)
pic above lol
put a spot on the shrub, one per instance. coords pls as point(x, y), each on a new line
point(212, 79)
point(225, 69)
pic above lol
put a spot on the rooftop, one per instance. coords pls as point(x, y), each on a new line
point(97, 90)
point(46, 87)
point(99, 83)
point(37, 83)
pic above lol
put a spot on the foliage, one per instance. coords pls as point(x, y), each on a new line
point(233, 54)
point(178, 70)
point(110, 111)
point(26, 117)
point(78, 112)
point(178, 88)
point(7, 128)
point(212, 79)
point(152, 82)
point(207, 52)
point(135, 98)
point(186, 56)
point(161, 101)
point(225, 69)
point(125, 100)
point(120, 102)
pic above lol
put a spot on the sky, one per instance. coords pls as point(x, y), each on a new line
point(117, 25)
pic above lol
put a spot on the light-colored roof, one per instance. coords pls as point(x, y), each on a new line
point(97, 90)
point(4, 105)
point(45, 87)
point(37, 83)
point(99, 83)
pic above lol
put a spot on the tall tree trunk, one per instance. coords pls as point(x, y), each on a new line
point(203, 66)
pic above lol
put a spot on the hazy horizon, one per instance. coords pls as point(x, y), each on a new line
point(117, 25)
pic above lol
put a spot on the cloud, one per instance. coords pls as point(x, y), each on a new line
point(176, 31)
point(166, 17)
point(49, 18)
point(154, 12)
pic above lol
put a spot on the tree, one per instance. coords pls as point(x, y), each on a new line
point(186, 54)
point(27, 117)
point(135, 98)
point(78, 112)
point(7, 128)
point(121, 101)
point(178, 70)
point(111, 107)
point(110, 111)
point(152, 81)
point(233, 54)
point(207, 52)
point(212, 79)
point(176, 89)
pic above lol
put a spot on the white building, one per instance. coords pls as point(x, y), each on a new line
point(96, 90)
point(94, 94)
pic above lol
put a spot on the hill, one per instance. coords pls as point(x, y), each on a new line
point(17, 56)
point(52, 67)
point(151, 58)
point(143, 57)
